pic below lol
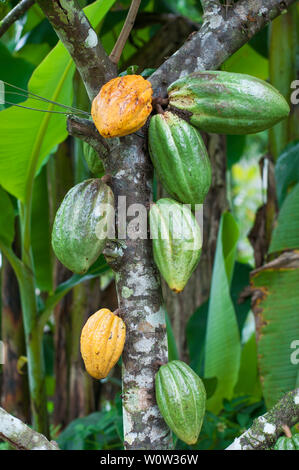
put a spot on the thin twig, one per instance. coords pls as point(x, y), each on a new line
point(14, 15)
point(22, 437)
point(125, 32)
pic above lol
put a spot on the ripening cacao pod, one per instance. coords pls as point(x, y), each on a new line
point(180, 158)
point(82, 224)
point(177, 241)
point(228, 103)
point(287, 443)
point(122, 106)
point(181, 398)
point(93, 160)
point(102, 342)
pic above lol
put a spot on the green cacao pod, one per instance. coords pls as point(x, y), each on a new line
point(81, 224)
point(177, 241)
point(181, 398)
point(287, 443)
point(93, 161)
point(180, 158)
point(228, 103)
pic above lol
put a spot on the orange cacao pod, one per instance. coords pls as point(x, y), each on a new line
point(102, 342)
point(122, 106)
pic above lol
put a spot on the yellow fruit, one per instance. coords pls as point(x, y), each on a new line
point(122, 106)
point(102, 342)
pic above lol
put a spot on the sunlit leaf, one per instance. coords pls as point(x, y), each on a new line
point(223, 349)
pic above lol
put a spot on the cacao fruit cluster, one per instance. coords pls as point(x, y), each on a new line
point(212, 101)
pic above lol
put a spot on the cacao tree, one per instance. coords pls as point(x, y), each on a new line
point(127, 154)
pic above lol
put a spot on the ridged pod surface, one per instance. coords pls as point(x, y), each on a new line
point(180, 158)
point(80, 228)
point(177, 241)
point(228, 103)
point(102, 342)
point(122, 106)
point(181, 398)
point(287, 443)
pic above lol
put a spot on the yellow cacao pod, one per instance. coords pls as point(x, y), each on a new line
point(122, 106)
point(102, 342)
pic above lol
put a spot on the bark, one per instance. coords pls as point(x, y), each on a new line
point(15, 392)
point(137, 280)
point(266, 429)
point(21, 436)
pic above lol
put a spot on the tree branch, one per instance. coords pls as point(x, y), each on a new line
point(125, 32)
point(19, 435)
point(86, 130)
point(76, 33)
point(266, 429)
point(218, 38)
point(209, 6)
point(14, 14)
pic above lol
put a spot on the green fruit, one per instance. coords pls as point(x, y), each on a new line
point(287, 443)
point(181, 398)
point(228, 103)
point(81, 224)
point(93, 160)
point(177, 241)
point(180, 158)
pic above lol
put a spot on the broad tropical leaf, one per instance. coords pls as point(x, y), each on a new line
point(276, 311)
point(223, 348)
point(287, 170)
point(27, 137)
point(286, 233)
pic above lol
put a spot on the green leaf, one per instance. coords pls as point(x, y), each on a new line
point(196, 335)
point(41, 233)
point(14, 70)
point(98, 268)
point(247, 60)
point(172, 347)
point(259, 42)
point(7, 219)
point(248, 380)
point(222, 349)
point(286, 233)
point(282, 72)
point(287, 170)
point(278, 328)
point(235, 146)
point(27, 137)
